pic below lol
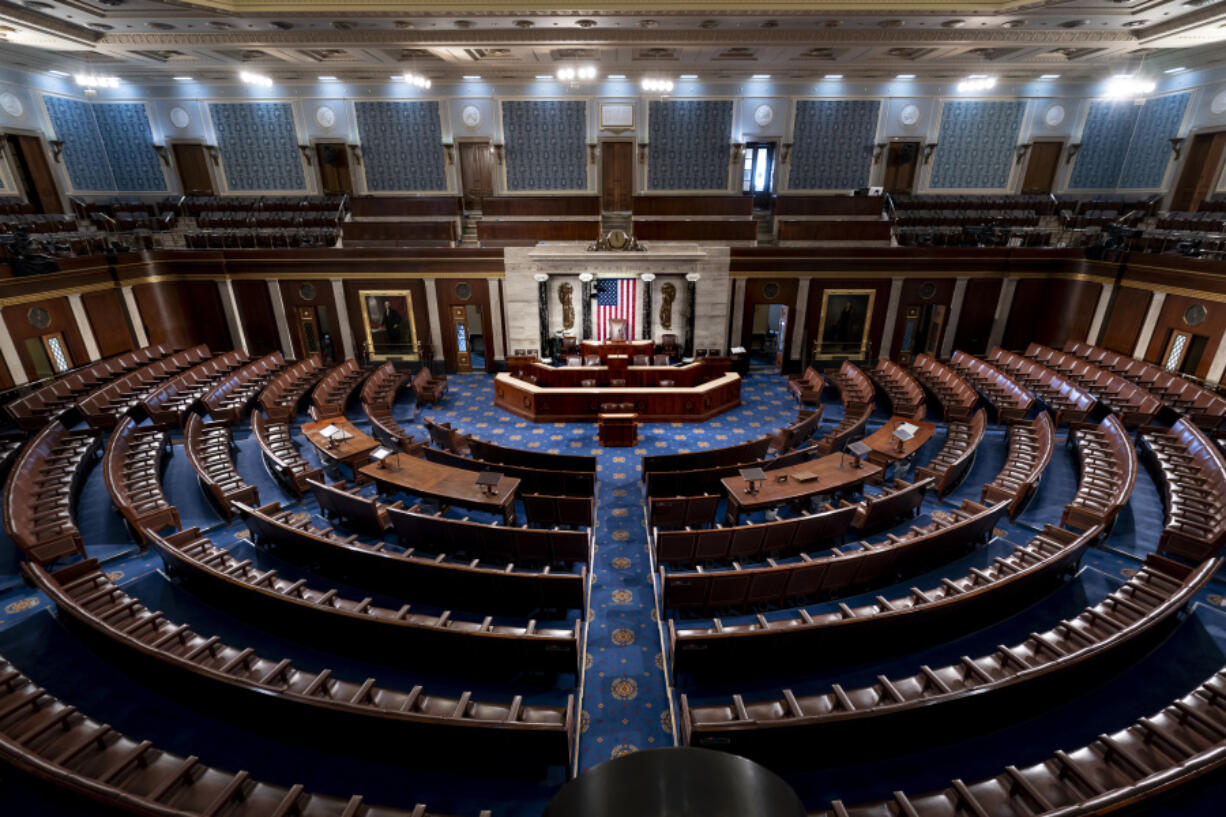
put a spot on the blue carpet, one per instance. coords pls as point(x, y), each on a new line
point(183, 490)
point(1057, 487)
point(1139, 525)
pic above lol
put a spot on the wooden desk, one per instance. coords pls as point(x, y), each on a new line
point(354, 452)
point(629, 348)
point(885, 447)
point(617, 430)
point(832, 476)
point(652, 404)
point(452, 486)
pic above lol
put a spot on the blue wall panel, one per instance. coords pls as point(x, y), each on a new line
point(84, 154)
point(833, 144)
point(976, 144)
point(401, 145)
point(545, 144)
point(128, 141)
point(259, 145)
point(690, 142)
point(1149, 153)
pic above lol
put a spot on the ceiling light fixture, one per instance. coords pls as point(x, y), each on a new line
point(471, 77)
point(327, 78)
point(1049, 76)
point(255, 79)
point(96, 81)
point(544, 76)
point(418, 80)
point(1127, 86)
point(689, 76)
point(905, 76)
point(616, 76)
point(761, 76)
point(570, 73)
point(833, 76)
point(183, 79)
point(977, 82)
point(53, 72)
point(657, 84)
point(1178, 70)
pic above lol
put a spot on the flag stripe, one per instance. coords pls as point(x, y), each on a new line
point(617, 304)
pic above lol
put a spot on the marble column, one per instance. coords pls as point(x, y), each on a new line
point(1147, 327)
point(542, 295)
point(955, 315)
point(691, 292)
point(278, 313)
point(342, 318)
point(229, 306)
point(87, 331)
point(800, 313)
point(1218, 366)
point(585, 303)
point(436, 322)
point(495, 320)
point(891, 317)
point(647, 278)
point(738, 312)
point(8, 350)
point(134, 318)
point(1001, 317)
point(1100, 313)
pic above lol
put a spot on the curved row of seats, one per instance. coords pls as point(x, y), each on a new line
point(956, 396)
point(1011, 400)
point(807, 387)
point(531, 480)
point(797, 432)
point(378, 396)
point(64, 747)
point(697, 481)
point(34, 410)
point(281, 397)
point(232, 397)
point(40, 492)
point(132, 470)
point(84, 593)
point(893, 503)
point(1069, 402)
point(280, 454)
point(428, 387)
point(947, 609)
point(1030, 449)
point(1108, 474)
point(478, 540)
point(836, 572)
point(210, 450)
point(780, 537)
point(103, 407)
point(333, 391)
point(949, 465)
point(169, 404)
point(1135, 406)
point(346, 624)
point(995, 687)
point(903, 390)
point(855, 388)
point(1192, 476)
point(1200, 405)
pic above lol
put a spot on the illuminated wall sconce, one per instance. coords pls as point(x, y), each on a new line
point(878, 149)
point(214, 154)
point(449, 152)
point(928, 151)
point(498, 153)
point(305, 150)
point(356, 150)
point(1177, 146)
point(642, 152)
point(1072, 151)
point(57, 147)
point(736, 152)
point(591, 153)
point(163, 154)
point(1021, 151)
point(786, 152)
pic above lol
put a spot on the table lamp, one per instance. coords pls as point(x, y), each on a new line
point(752, 477)
point(487, 481)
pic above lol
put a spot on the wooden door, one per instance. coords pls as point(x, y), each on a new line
point(901, 159)
point(306, 328)
point(616, 175)
point(759, 172)
point(476, 173)
point(1200, 170)
point(193, 165)
point(463, 346)
point(36, 176)
point(333, 161)
point(1041, 167)
point(781, 342)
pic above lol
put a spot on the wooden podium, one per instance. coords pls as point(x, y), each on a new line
point(618, 430)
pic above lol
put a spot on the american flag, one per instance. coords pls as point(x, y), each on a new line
point(615, 299)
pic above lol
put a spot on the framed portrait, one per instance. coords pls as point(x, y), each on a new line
point(391, 331)
point(617, 117)
point(844, 325)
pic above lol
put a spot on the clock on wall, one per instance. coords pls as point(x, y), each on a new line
point(1054, 115)
point(470, 116)
point(1218, 105)
point(11, 104)
point(180, 118)
point(325, 116)
point(763, 115)
point(909, 115)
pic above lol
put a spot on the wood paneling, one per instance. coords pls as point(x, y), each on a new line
point(737, 229)
point(291, 294)
point(445, 288)
point(16, 318)
point(1200, 170)
point(901, 161)
point(259, 321)
point(833, 230)
point(476, 173)
point(1050, 311)
point(193, 167)
point(402, 206)
point(6, 379)
point(1170, 317)
point(1123, 323)
point(616, 175)
point(108, 322)
point(1041, 167)
point(492, 233)
point(720, 205)
point(183, 313)
point(828, 205)
point(978, 314)
point(37, 178)
point(813, 316)
point(755, 294)
point(333, 158)
point(399, 233)
point(912, 295)
point(559, 205)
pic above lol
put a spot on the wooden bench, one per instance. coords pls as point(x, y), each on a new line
point(1068, 402)
point(132, 468)
point(281, 455)
point(281, 397)
point(1011, 400)
point(1030, 448)
point(378, 397)
point(428, 388)
point(103, 407)
point(752, 542)
point(332, 392)
point(1192, 474)
point(210, 451)
point(1135, 406)
point(951, 463)
point(900, 387)
point(232, 397)
point(168, 405)
point(1108, 474)
point(955, 394)
point(532, 480)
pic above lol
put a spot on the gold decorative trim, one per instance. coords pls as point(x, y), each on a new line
point(42, 295)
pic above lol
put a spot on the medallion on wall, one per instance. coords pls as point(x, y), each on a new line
point(470, 116)
point(763, 115)
point(1054, 115)
point(909, 115)
point(11, 104)
point(325, 116)
point(1218, 105)
point(180, 118)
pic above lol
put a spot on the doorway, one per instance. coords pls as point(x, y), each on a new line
point(616, 176)
point(334, 177)
point(901, 160)
point(313, 332)
point(476, 336)
point(759, 173)
point(921, 331)
point(49, 354)
point(463, 340)
point(476, 173)
point(1200, 171)
point(1041, 167)
point(766, 337)
point(35, 174)
point(1183, 351)
point(193, 166)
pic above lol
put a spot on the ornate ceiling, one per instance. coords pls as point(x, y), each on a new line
point(368, 40)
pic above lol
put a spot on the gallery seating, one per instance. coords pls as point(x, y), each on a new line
point(1191, 472)
point(428, 387)
point(945, 609)
point(834, 573)
point(753, 542)
point(58, 744)
point(1030, 448)
point(430, 578)
point(102, 407)
point(39, 493)
point(901, 500)
point(84, 593)
point(133, 471)
point(281, 455)
point(900, 387)
point(526, 232)
point(211, 453)
point(232, 397)
point(949, 465)
point(682, 511)
point(1108, 474)
point(1011, 400)
point(34, 410)
point(531, 480)
point(1134, 405)
point(1067, 401)
point(378, 397)
point(957, 397)
point(553, 511)
point(973, 693)
point(495, 543)
point(349, 624)
point(281, 397)
point(333, 391)
point(168, 404)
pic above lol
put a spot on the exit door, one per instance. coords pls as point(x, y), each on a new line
point(759, 172)
point(463, 343)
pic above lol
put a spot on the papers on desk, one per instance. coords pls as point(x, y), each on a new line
point(905, 431)
point(334, 433)
point(737, 350)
